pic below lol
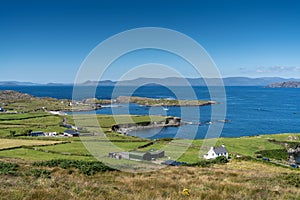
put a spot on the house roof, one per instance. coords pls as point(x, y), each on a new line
point(221, 149)
point(138, 153)
point(156, 152)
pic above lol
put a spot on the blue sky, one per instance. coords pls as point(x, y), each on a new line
point(46, 41)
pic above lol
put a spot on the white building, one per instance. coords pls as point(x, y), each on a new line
point(215, 152)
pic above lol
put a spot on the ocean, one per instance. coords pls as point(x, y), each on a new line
point(250, 110)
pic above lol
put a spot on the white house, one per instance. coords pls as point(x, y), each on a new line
point(215, 152)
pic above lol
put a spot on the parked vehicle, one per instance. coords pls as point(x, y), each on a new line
point(266, 159)
point(294, 165)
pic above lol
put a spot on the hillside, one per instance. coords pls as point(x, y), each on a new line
point(236, 180)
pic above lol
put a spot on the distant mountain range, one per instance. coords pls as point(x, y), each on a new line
point(172, 81)
point(16, 83)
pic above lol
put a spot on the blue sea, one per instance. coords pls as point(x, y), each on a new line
point(250, 110)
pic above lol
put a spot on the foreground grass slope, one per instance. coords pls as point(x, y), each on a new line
point(235, 180)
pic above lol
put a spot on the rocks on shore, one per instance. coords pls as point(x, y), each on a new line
point(288, 84)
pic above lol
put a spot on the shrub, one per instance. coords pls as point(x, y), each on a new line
point(8, 168)
point(292, 179)
point(207, 163)
point(278, 154)
point(221, 160)
point(202, 163)
point(85, 167)
point(39, 173)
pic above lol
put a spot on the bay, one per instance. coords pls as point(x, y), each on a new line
point(250, 110)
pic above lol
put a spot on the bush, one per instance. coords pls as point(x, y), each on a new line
point(8, 168)
point(207, 163)
point(278, 154)
point(245, 158)
point(221, 160)
point(202, 163)
point(85, 167)
point(39, 173)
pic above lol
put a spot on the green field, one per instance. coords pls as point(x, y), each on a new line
point(80, 176)
point(41, 121)
point(13, 143)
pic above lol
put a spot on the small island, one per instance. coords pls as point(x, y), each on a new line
point(288, 84)
point(163, 102)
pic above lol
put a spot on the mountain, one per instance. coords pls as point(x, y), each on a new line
point(16, 83)
point(100, 83)
point(171, 81)
point(289, 84)
point(175, 81)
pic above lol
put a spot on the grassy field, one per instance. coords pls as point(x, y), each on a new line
point(22, 123)
point(11, 143)
point(35, 155)
point(235, 180)
point(238, 179)
point(247, 146)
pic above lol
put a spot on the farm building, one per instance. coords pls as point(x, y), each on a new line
point(119, 155)
point(215, 152)
point(71, 133)
point(37, 133)
point(51, 134)
point(137, 155)
point(157, 154)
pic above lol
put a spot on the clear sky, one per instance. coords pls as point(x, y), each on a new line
point(46, 41)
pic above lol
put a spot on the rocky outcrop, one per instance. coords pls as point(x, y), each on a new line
point(13, 95)
point(294, 154)
point(125, 128)
point(289, 84)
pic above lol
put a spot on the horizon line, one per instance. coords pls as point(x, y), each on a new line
point(49, 83)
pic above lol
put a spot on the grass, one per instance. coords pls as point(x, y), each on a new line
point(34, 155)
point(247, 146)
point(11, 143)
point(235, 180)
point(79, 148)
point(278, 154)
point(20, 179)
